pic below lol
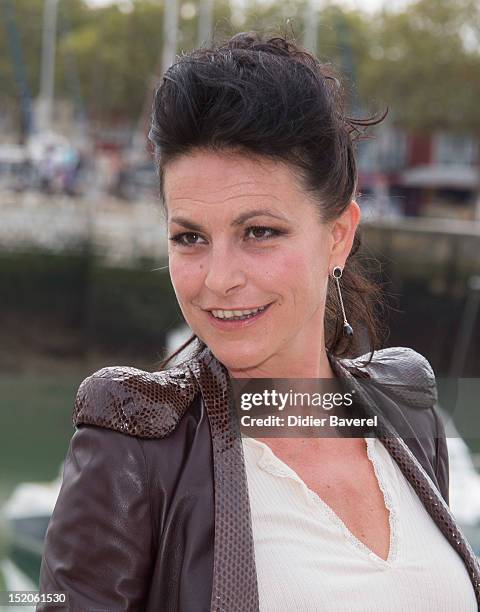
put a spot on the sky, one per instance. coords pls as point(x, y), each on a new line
point(366, 5)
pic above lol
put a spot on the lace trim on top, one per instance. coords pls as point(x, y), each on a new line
point(372, 451)
point(269, 462)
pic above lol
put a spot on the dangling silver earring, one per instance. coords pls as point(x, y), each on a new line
point(347, 328)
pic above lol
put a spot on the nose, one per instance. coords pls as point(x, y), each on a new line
point(225, 271)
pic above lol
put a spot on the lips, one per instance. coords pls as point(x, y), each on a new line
point(236, 312)
point(233, 324)
point(232, 308)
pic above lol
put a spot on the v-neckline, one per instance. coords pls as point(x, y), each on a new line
point(270, 462)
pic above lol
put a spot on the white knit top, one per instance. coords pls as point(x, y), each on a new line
point(307, 559)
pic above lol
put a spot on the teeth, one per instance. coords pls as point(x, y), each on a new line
point(228, 314)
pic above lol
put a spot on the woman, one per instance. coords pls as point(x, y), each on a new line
point(163, 505)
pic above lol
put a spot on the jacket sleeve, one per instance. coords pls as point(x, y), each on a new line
point(99, 546)
point(441, 462)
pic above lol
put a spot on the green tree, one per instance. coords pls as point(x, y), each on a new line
point(425, 64)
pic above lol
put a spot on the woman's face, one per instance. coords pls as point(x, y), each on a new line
point(243, 235)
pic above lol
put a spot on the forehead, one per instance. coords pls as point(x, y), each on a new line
point(211, 177)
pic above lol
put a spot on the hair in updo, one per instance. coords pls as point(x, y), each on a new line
point(269, 97)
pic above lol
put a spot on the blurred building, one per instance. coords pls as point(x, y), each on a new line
point(417, 174)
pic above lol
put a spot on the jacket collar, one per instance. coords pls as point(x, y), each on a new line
point(234, 574)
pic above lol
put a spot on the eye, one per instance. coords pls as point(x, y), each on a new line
point(183, 239)
point(261, 229)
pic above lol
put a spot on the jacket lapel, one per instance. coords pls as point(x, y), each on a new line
point(234, 586)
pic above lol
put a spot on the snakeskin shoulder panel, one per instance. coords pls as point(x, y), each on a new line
point(404, 373)
point(138, 403)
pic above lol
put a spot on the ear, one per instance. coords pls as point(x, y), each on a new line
point(343, 233)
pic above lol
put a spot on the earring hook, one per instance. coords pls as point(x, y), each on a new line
point(347, 328)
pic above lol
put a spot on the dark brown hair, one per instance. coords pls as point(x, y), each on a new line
point(269, 97)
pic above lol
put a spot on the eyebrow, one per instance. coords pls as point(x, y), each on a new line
point(240, 220)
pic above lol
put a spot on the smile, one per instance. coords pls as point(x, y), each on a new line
point(237, 314)
point(234, 319)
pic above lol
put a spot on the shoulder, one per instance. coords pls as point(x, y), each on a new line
point(392, 362)
point(401, 370)
point(133, 401)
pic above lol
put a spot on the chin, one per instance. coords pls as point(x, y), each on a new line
point(237, 357)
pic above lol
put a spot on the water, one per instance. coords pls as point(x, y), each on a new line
point(35, 431)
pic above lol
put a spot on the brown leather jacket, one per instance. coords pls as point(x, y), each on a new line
point(153, 513)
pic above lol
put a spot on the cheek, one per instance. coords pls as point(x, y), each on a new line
point(293, 268)
point(186, 277)
point(302, 274)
